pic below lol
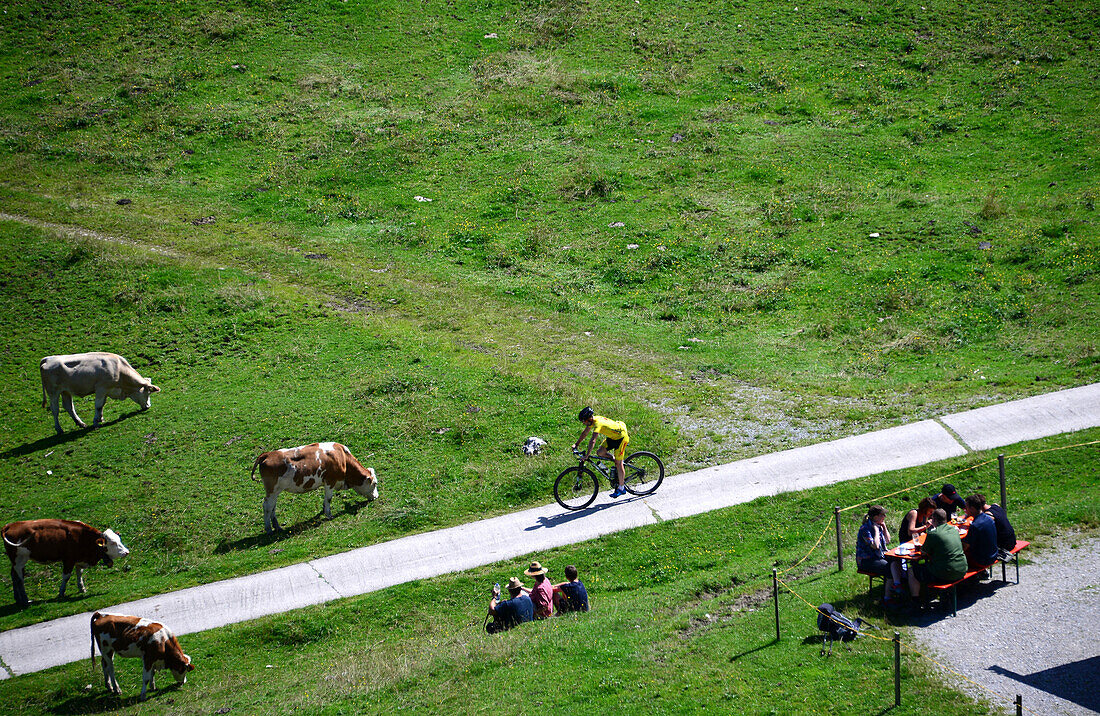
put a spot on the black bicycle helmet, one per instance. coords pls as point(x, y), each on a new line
point(586, 413)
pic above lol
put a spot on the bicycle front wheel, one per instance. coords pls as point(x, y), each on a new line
point(644, 473)
point(576, 488)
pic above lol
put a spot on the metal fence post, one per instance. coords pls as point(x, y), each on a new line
point(775, 592)
point(1019, 705)
point(897, 669)
point(839, 547)
point(1004, 493)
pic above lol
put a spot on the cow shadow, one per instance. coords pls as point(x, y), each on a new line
point(97, 699)
point(264, 539)
point(55, 440)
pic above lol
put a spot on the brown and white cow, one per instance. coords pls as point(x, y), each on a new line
point(308, 467)
point(74, 544)
point(105, 374)
point(133, 636)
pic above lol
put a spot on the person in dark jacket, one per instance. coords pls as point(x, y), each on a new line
point(1006, 536)
point(510, 612)
point(980, 542)
point(570, 596)
point(948, 500)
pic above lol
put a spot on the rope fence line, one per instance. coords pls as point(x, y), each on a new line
point(919, 484)
point(896, 640)
point(967, 469)
point(807, 556)
point(1055, 449)
point(907, 649)
point(928, 482)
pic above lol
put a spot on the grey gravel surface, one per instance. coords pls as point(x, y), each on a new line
point(1039, 639)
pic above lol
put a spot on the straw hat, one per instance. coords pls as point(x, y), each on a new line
point(535, 570)
point(514, 583)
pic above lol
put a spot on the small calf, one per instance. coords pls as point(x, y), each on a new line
point(133, 636)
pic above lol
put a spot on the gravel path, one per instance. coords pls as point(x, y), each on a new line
point(1039, 639)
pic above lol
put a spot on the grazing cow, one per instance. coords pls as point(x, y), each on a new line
point(105, 374)
point(133, 636)
point(306, 468)
point(74, 544)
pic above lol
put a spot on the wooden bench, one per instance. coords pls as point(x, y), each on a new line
point(1012, 554)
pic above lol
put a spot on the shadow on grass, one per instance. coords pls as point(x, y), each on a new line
point(567, 517)
point(266, 538)
point(1075, 681)
point(98, 700)
point(70, 598)
point(55, 440)
point(743, 654)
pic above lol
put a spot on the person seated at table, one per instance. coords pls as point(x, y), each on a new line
point(948, 500)
point(871, 542)
point(510, 612)
point(980, 541)
point(570, 596)
point(942, 553)
point(1006, 536)
point(916, 521)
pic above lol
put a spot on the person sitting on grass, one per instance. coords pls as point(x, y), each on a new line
point(943, 560)
point(615, 438)
point(570, 596)
point(871, 542)
point(980, 541)
point(510, 612)
point(542, 594)
point(916, 521)
point(948, 500)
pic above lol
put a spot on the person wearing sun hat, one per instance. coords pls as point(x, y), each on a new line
point(542, 594)
point(948, 500)
point(510, 612)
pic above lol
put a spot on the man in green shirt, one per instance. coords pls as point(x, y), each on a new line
point(942, 552)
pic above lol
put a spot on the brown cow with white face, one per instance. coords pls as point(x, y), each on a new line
point(308, 467)
point(105, 374)
point(153, 642)
point(74, 544)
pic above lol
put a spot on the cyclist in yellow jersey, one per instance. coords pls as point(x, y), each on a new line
point(614, 443)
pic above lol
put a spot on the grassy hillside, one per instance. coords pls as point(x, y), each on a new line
point(682, 622)
point(832, 220)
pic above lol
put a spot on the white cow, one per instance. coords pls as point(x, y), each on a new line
point(105, 374)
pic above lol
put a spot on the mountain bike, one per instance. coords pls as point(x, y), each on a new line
point(577, 486)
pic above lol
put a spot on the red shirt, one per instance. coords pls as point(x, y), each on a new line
point(542, 594)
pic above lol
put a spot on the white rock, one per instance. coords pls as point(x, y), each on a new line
point(533, 446)
point(632, 246)
point(616, 225)
point(421, 198)
point(874, 235)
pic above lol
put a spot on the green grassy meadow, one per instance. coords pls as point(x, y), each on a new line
point(429, 230)
point(682, 621)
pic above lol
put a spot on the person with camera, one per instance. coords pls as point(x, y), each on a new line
point(510, 612)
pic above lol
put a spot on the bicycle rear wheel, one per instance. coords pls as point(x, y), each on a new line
point(576, 488)
point(644, 473)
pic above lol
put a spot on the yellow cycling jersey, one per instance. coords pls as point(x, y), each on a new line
point(613, 429)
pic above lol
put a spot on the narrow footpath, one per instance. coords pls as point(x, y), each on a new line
point(455, 549)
